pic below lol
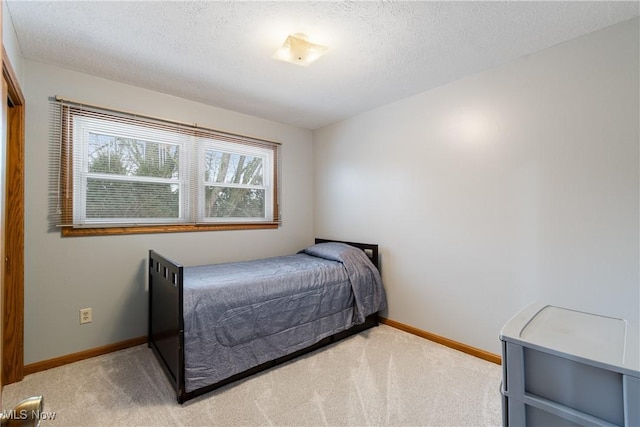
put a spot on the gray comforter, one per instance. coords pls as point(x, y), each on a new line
point(239, 315)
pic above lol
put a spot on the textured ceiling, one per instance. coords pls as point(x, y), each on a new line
point(219, 53)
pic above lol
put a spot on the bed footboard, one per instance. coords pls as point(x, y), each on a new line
point(166, 326)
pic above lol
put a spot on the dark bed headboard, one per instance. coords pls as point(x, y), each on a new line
point(369, 249)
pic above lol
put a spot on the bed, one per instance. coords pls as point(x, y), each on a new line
point(211, 325)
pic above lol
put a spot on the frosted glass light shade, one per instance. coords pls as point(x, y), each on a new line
point(297, 49)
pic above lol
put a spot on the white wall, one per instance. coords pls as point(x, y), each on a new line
point(10, 42)
point(515, 185)
point(108, 273)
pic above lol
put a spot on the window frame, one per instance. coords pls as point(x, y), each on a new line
point(82, 127)
point(191, 218)
point(268, 181)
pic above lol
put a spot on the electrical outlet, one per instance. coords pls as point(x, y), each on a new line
point(85, 315)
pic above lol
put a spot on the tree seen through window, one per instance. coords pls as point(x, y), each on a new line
point(111, 191)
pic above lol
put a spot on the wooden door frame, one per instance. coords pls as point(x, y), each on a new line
point(3, 163)
point(13, 295)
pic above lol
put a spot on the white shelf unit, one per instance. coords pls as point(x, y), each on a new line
point(563, 367)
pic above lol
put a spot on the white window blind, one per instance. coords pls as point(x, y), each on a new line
point(116, 169)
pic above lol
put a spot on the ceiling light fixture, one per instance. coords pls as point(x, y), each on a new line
point(297, 49)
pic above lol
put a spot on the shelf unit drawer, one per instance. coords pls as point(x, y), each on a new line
point(588, 389)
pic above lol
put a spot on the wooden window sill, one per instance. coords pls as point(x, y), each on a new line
point(150, 229)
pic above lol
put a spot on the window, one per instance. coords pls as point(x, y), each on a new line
point(234, 185)
point(117, 173)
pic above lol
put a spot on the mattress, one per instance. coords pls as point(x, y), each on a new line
point(240, 315)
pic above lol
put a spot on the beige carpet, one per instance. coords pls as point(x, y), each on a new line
point(380, 377)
